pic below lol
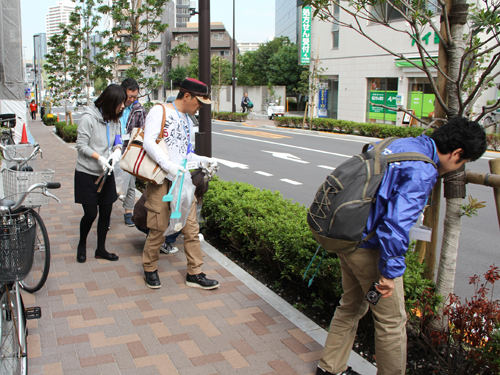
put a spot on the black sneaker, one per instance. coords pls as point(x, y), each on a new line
point(167, 248)
point(152, 279)
point(349, 371)
point(128, 220)
point(200, 281)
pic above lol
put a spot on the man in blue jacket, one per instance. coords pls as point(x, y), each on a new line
point(401, 197)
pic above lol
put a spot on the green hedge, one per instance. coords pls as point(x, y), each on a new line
point(261, 225)
point(49, 119)
point(69, 133)
point(367, 129)
point(230, 116)
point(351, 127)
point(59, 128)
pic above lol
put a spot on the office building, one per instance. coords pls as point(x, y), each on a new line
point(57, 14)
point(286, 19)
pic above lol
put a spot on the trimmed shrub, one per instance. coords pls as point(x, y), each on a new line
point(59, 128)
point(263, 226)
point(49, 119)
point(230, 116)
point(69, 133)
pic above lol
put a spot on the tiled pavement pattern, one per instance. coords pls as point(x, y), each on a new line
point(100, 318)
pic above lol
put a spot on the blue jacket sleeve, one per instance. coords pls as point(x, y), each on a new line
point(404, 192)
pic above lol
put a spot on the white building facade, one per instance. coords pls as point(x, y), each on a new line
point(358, 72)
point(57, 14)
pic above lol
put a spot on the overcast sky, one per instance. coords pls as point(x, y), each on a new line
point(254, 19)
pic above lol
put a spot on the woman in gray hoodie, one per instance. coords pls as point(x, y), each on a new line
point(99, 150)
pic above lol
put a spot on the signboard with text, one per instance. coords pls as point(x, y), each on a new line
point(387, 98)
point(305, 36)
point(323, 103)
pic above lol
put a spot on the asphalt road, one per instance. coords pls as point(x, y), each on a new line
point(296, 162)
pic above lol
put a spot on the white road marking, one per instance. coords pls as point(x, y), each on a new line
point(326, 167)
point(264, 173)
point(292, 182)
point(284, 155)
point(283, 144)
point(231, 164)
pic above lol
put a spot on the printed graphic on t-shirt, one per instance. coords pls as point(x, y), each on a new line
point(176, 134)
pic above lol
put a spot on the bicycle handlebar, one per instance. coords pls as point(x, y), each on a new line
point(41, 185)
point(21, 160)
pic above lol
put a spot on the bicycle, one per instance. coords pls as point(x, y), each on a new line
point(6, 136)
point(16, 179)
point(17, 244)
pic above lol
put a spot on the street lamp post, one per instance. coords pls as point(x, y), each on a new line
point(35, 64)
point(234, 59)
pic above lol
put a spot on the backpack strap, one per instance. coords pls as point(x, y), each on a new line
point(378, 148)
point(405, 156)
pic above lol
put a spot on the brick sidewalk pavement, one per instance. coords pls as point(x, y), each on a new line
point(100, 318)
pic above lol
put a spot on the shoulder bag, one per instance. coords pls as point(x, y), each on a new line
point(138, 163)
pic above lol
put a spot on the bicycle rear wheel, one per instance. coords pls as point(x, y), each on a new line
point(12, 358)
point(41, 258)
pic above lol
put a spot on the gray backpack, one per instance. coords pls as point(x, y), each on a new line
point(340, 210)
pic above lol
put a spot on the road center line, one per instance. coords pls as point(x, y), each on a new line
point(291, 182)
point(264, 173)
point(283, 144)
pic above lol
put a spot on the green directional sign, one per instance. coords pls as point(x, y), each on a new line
point(305, 36)
point(391, 101)
point(376, 97)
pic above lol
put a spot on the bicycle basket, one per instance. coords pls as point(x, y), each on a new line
point(17, 245)
point(19, 151)
point(15, 183)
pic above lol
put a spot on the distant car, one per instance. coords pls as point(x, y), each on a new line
point(196, 129)
point(170, 98)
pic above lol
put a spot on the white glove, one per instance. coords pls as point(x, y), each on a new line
point(174, 168)
point(104, 163)
point(115, 157)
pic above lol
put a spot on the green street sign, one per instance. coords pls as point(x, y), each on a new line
point(305, 36)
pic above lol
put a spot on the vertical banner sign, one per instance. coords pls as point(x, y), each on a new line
point(305, 36)
point(322, 105)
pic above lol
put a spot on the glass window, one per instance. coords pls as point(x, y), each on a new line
point(388, 11)
point(335, 27)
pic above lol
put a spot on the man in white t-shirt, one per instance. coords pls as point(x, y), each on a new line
point(178, 136)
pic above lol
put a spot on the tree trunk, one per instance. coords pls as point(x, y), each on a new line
point(454, 191)
point(445, 281)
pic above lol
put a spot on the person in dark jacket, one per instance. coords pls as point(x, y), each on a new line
point(134, 116)
point(244, 102)
point(99, 150)
point(399, 201)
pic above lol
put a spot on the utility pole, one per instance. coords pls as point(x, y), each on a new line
point(205, 134)
point(234, 59)
point(36, 75)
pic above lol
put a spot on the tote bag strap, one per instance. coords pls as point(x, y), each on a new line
point(162, 133)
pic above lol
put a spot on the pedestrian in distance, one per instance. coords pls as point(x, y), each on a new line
point(33, 108)
point(399, 201)
point(245, 101)
point(99, 150)
point(133, 116)
point(178, 137)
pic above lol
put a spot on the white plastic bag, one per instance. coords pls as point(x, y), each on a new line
point(122, 180)
point(175, 225)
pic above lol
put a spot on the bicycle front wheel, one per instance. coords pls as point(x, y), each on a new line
point(41, 258)
point(13, 359)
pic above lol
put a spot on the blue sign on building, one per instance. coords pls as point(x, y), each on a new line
point(323, 103)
